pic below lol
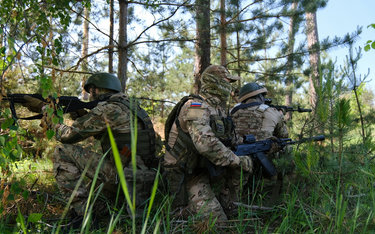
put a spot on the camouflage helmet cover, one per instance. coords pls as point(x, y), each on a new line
point(221, 72)
point(103, 80)
point(250, 90)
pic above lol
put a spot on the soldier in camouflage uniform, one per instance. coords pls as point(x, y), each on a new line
point(252, 116)
point(113, 108)
point(196, 141)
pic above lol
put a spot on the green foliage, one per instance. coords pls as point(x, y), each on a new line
point(10, 150)
point(342, 113)
point(370, 44)
point(319, 202)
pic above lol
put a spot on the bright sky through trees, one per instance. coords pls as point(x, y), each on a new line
point(343, 16)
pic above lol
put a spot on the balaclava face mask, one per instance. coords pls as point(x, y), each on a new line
point(214, 87)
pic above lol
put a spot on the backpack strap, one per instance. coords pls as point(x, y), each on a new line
point(242, 106)
point(143, 116)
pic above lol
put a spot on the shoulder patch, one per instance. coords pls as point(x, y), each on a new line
point(195, 110)
point(195, 104)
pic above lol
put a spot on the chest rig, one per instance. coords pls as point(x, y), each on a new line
point(145, 138)
point(184, 150)
point(249, 121)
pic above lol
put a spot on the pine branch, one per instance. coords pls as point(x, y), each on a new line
point(158, 41)
point(98, 29)
point(152, 25)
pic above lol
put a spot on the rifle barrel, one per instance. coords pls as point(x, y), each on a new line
point(308, 139)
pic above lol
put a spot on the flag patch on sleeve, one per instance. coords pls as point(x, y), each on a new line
point(196, 104)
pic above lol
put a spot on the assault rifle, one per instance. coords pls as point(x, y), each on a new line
point(67, 103)
point(268, 101)
point(256, 150)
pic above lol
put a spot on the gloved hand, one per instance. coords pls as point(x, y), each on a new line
point(33, 104)
point(246, 163)
point(275, 147)
point(77, 114)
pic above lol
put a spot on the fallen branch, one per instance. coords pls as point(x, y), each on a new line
point(252, 207)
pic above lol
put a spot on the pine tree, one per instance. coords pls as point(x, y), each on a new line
point(203, 41)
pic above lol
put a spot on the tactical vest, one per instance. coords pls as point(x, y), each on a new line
point(145, 137)
point(250, 122)
point(184, 148)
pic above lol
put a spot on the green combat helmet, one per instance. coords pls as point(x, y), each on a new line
point(103, 80)
point(250, 90)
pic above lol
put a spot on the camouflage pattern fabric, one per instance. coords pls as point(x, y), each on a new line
point(263, 123)
point(202, 198)
point(214, 88)
point(93, 123)
point(70, 160)
point(194, 118)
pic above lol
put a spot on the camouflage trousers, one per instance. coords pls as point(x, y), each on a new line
point(214, 196)
point(69, 163)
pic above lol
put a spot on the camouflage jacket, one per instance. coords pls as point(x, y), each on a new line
point(194, 119)
point(94, 122)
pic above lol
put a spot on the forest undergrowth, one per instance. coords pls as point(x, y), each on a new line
point(331, 190)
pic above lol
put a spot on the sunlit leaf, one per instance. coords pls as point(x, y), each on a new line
point(50, 133)
point(9, 58)
point(2, 65)
point(60, 112)
point(55, 120)
point(35, 217)
point(45, 94)
point(373, 45)
point(25, 194)
point(50, 112)
point(2, 140)
point(5, 125)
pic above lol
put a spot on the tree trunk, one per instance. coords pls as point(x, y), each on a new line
point(289, 65)
point(313, 43)
point(122, 50)
point(85, 50)
point(238, 59)
point(223, 35)
point(203, 42)
point(111, 24)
